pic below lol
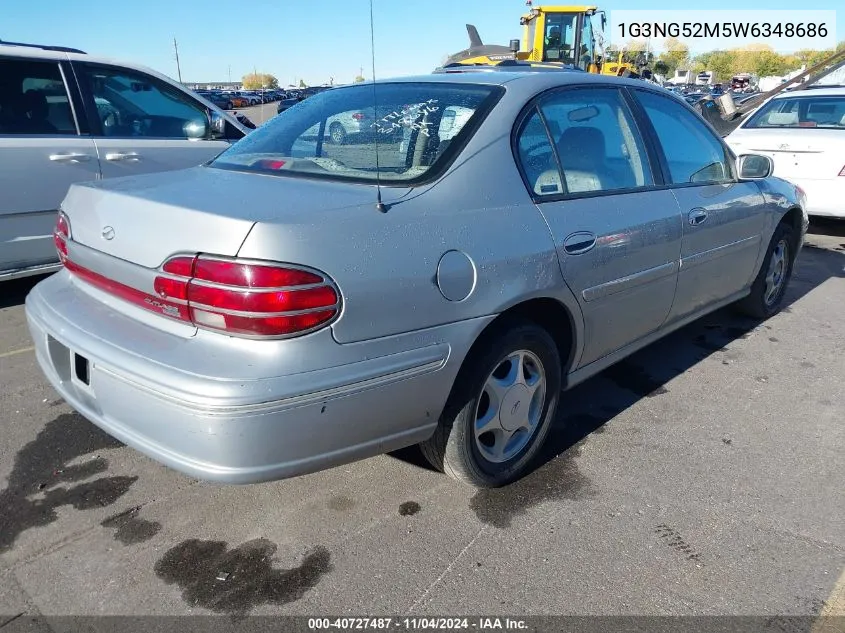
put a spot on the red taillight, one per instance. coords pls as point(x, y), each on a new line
point(232, 296)
point(270, 164)
point(359, 116)
point(233, 273)
point(61, 234)
point(248, 298)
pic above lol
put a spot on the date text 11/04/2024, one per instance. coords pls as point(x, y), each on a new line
point(417, 624)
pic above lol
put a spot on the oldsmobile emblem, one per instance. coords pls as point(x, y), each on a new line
point(108, 233)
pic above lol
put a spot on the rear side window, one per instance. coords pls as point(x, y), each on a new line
point(407, 133)
point(594, 140)
point(34, 99)
point(801, 112)
point(693, 153)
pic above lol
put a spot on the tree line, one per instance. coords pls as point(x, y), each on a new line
point(759, 59)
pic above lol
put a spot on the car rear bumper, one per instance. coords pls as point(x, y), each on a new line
point(213, 428)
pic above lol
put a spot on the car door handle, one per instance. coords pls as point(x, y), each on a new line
point(697, 216)
point(70, 158)
point(123, 156)
point(578, 243)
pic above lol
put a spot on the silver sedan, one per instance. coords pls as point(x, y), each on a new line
point(297, 304)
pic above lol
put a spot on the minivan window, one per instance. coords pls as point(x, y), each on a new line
point(693, 153)
point(34, 99)
point(406, 132)
point(801, 112)
point(131, 105)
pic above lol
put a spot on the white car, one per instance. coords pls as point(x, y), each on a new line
point(804, 134)
point(67, 117)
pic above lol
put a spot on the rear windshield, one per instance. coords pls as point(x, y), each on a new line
point(407, 134)
point(803, 112)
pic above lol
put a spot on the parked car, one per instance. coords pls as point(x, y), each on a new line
point(217, 98)
point(238, 101)
point(284, 104)
point(252, 97)
point(803, 132)
point(341, 126)
point(293, 305)
point(67, 117)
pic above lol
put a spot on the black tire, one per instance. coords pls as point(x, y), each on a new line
point(337, 133)
point(453, 449)
point(758, 304)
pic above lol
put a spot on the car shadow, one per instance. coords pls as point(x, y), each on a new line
point(587, 407)
point(827, 226)
point(13, 293)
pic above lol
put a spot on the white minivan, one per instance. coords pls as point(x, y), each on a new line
point(68, 117)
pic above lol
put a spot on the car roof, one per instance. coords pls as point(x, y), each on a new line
point(832, 91)
point(530, 81)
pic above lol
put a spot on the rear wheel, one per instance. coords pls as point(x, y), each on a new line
point(500, 409)
point(337, 133)
point(766, 297)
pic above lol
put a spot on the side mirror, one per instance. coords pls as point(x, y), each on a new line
point(754, 166)
point(218, 125)
point(195, 129)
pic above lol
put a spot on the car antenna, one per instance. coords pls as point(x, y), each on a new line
point(379, 204)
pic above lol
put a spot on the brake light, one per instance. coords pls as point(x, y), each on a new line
point(61, 234)
point(358, 116)
point(248, 298)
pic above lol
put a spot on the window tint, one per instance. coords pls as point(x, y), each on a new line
point(804, 112)
point(693, 153)
point(33, 99)
point(130, 104)
point(597, 143)
point(340, 134)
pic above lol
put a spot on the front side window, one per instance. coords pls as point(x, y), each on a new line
point(408, 132)
point(801, 112)
point(595, 141)
point(130, 105)
point(693, 153)
point(34, 99)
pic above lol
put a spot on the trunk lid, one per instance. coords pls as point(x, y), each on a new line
point(814, 154)
point(146, 219)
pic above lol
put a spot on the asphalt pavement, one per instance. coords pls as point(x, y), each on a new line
point(261, 113)
point(704, 475)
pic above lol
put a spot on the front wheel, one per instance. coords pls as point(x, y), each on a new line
point(500, 410)
point(769, 287)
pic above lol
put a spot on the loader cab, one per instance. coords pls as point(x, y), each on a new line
point(561, 34)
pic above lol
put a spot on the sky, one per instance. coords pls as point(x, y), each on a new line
point(314, 41)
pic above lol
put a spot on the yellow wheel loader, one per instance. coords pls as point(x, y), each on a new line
point(555, 36)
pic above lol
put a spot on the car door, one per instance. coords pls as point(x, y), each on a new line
point(724, 219)
point(42, 152)
point(617, 234)
point(143, 124)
